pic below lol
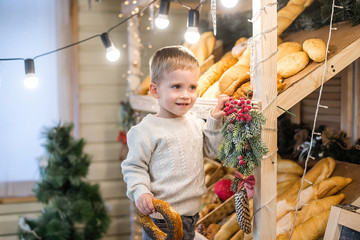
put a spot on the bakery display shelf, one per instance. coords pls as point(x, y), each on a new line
point(344, 48)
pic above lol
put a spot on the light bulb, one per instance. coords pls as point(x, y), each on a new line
point(162, 21)
point(112, 53)
point(229, 3)
point(192, 35)
point(31, 81)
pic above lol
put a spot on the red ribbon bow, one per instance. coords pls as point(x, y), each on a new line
point(248, 181)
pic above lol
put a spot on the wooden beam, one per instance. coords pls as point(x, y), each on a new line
point(264, 81)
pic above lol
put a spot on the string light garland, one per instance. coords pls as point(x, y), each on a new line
point(315, 116)
point(31, 80)
point(192, 34)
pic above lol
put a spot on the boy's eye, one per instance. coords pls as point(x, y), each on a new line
point(193, 87)
point(176, 86)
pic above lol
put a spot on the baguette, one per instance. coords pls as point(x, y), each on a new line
point(239, 47)
point(204, 48)
point(244, 59)
point(212, 92)
point(283, 186)
point(312, 229)
point(283, 177)
point(213, 74)
point(289, 13)
point(228, 229)
point(233, 78)
point(289, 166)
point(313, 208)
point(238, 236)
point(316, 191)
point(321, 170)
point(211, 231)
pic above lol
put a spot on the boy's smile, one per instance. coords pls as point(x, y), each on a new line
point(176, 92)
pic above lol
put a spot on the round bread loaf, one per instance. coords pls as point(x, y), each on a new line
point(315, 48)
point(286, 48)
point(292, 63)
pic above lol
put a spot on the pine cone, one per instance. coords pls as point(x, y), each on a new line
point(243, 211)
point(232, 117)
point(230, 127)
point(246, 148)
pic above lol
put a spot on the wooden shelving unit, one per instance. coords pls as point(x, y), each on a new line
point(344, 48)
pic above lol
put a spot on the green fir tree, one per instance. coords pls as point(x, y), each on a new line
point(74, 209)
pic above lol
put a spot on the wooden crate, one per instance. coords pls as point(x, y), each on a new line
point(220, 211)
point(216, 175)
point(339, 217)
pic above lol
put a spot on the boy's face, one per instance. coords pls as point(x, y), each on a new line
point(176, 92)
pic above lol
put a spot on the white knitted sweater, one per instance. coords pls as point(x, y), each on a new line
point(166, 159)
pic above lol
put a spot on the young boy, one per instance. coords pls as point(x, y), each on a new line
point(165, 159)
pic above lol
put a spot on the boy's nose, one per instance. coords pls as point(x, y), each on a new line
point(184, 94)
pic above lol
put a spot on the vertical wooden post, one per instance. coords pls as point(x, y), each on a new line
point(264, 84)
point(134, 43)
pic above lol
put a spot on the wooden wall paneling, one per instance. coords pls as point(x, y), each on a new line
point(93, 77)
point(8, 223)
point(8, 237)
point(105, 171)
point(346, 100)
point(100, 133)
point(112, 189)
point(118, 207)
point(102, 85)
point(119, 225)
point(99, 94)
point(103, 152)
point(101, 113)
point(19, 208)
point(331, 97)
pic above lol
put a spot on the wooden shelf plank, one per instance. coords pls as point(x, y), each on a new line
point(344, 48)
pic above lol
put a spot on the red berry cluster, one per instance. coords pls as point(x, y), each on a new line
point(122, 137)
point(241, 161)
point(240, 107)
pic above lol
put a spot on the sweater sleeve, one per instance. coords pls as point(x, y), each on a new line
point(212, 136)
point(135, 166)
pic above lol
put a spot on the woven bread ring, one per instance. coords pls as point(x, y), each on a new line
point(172, 219)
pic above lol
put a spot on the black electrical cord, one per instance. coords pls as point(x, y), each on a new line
point(84, 40)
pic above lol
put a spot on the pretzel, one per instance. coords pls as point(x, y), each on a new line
point(172, 219)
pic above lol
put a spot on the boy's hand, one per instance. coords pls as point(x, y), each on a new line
point(218, 112)
point(144, 204)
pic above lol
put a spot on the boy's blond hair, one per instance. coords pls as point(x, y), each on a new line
point(169, 59)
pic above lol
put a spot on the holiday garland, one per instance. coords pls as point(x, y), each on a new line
point(242, 149)
point(126, 120)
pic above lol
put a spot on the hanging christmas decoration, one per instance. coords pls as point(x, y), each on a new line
point(126, 121)
point(242, 149)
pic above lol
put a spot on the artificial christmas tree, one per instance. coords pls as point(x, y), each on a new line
point(74, 208)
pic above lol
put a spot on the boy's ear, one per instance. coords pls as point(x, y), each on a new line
point(153, 90)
